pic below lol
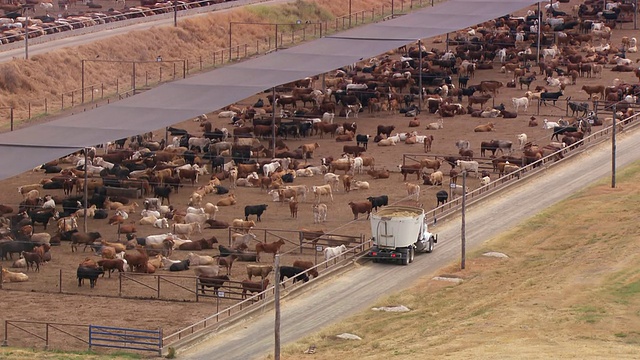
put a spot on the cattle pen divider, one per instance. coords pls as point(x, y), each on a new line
point(300, 238)
point(159, 279)
point(260, 302)
point(21, 325)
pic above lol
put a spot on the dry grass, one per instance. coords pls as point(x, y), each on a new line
point(569, 289)
point(24, 354)
point(52, 74)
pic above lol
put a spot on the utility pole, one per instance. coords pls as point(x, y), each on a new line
point(613, 150)
point(273, 123)
point(86, 188)
point(276, 305)
point(420, 75)
point(463, 228)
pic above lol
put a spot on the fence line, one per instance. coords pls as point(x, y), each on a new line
point(125, 338)
point(256, 301)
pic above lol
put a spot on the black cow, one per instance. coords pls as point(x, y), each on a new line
point(217, 162)
point(176, 132)
point(72, 204)
point(101, 214)
point(181, 266)
point(97, 200)
point(189, 157)
point(442, 197)
point(297, 274)
point(90, 273)
point(560, 130)
point(305, 128)
point(462, 81)
point(162, 192)
point(15, 247)
point(43, 217)
point(52, 169)
point(378, 201)
point(287, 178)
point(550, 96)
point(254, 210)
point(221, 190)
point(578, 107)
point(52, 185)
point(362, 139)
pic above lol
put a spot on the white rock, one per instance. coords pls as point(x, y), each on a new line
point(347, 336)
point(449, 279)
point(400, 308)
point(496, 254)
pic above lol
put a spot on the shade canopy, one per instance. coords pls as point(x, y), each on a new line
point(180, 100)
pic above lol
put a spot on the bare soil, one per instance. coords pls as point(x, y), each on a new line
point(102, 306)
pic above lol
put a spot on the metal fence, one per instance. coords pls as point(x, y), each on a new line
point(125, 338)
point(255, 302)
point(40, 330)
point(26, 333)
point(527, 171)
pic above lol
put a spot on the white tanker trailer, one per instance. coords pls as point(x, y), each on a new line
point(398, 232)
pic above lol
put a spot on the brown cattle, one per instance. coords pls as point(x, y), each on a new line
point(479, 99)
point(189, 174)
point(306, 265)
point(379, 174)
point(345, 137)
point(360, 208)
point(594, 89)
point(325, 128)
point(490, 86)
point(308, 149)
point(353, 149)
point(272, 248)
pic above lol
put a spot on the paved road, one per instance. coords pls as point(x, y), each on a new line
point(357, 289)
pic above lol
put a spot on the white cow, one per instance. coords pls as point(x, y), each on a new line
point(161, 223)
point(332, 252)
point(270, 168)
point(518, 102)
point(549, 124)
point(522, 139)
point(332, 179)
point(319, 213)
point(468, 166)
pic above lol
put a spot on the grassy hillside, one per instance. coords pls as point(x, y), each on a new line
point(569, 289)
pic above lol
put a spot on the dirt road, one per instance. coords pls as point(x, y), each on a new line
point(359, 288)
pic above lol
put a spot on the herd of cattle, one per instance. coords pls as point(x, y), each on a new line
point(158, 170)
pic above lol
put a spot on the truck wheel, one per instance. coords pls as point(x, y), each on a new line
point(430, 245)
point(411, 254)
point(405, 257)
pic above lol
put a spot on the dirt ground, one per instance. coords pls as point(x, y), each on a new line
point(98, 305)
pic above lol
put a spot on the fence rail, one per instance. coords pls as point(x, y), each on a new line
point(31, 328)
point(125, 338)
point(256, 301)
